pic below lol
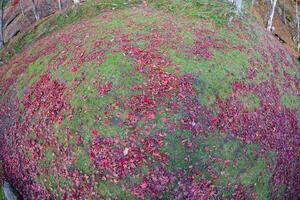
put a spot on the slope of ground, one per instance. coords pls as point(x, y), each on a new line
point(284, 22)
point(140, 103)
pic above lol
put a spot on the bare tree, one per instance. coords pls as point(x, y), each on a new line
point(1, 24)
point(34, 7)
point(270, 20)
point(22, 6)
point(252, 3)
point(298, 25)
point(284, 12)
point(59, 4)
point(238, 4)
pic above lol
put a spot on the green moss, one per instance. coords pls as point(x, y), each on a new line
point(290, 101)
point(214, 76)
point(175, 150)
point(146, 21)
point(89, 9)
point(217, 11)
point(48, 158)
point(293, 72)
point(32, 74)
point(52, 183)
point(83, 162)
point(245, 166)
point(121, 71)
point(48, 181)
point(250, 101)
point(2, 196)
point(188, 37)
point(109, 190)
point(262, 75)
point(114, 23)
point(49, 153)
point(88, 104)
point(142, 43)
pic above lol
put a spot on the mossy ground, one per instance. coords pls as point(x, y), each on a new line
point(2, 197)
point(166, 94)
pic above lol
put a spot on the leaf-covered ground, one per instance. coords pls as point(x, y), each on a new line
point(142, 104)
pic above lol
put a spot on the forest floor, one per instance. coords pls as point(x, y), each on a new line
point(140, 103)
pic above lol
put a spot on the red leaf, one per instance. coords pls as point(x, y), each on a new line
point(144, 185)
point(78, 140)
point(105, 88)
point(146, 99)
point(73, 69)
point(94, 132)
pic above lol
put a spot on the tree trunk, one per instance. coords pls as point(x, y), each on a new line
point(298, 25)
point(76, 1)
point(252, 3)
point(1, 24)
point(270, 21)
point(59, 4)
point(22, 6)
point(34, 7)
point(238, 4)
point(284, 12)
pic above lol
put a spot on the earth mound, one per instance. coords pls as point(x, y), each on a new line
point(139, 103)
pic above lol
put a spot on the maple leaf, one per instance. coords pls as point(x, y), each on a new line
point(144, 185)
point(105, 88)
point(73, 69)
point(146, 99)
point(94, 132)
